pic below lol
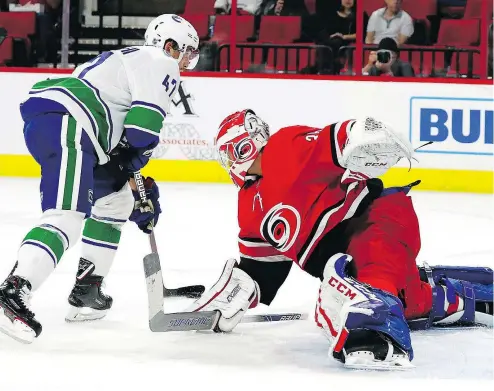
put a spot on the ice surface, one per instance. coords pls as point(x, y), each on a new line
point(196, 234)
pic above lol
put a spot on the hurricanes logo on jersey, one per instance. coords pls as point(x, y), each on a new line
point(280, 226)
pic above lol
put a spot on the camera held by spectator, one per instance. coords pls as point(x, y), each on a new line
point(385, 61)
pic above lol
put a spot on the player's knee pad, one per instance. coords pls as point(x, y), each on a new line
point(66, 223)
point(344, 305)
point(115, 208)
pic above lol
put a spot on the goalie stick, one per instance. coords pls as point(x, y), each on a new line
point(191, 291)
point(159, 321)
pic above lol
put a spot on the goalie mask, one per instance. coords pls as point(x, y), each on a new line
point(240, 139)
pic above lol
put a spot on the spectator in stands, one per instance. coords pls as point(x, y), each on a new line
point(337, 29)
point(452, 3)
point(248, 7)
point(4, 4)
point(290, 8)
point(389, 22)
point(49, 29)
point(385, 61)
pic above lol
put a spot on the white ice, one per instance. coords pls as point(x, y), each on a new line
point(196, 234)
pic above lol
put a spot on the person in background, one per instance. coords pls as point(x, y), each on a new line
point(337, 29)
point(4, 4)
point(389, 22)
point(452, 3)
point(246, 7)
point(385, 61)
point(49, 31)
point(290, 8)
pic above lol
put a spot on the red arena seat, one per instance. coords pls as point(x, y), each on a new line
point(18, 24)
point(459, 32)
point(431, 62)
point(280, 29)
point(244, 57)
point(473, 9)
point(222, 28)
point(420, 9)
point(199, 7)
point(286, 59)
point(459, 64)
point(6, 51)
point(369, 6)
point(200, 23)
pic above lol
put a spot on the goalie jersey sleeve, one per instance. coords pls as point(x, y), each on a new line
point(152, 85)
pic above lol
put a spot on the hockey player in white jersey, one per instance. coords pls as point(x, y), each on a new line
point(90, 132)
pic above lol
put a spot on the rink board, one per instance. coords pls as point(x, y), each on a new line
point(457, 117)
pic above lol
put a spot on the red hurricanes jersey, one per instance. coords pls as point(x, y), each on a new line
point(300, 196)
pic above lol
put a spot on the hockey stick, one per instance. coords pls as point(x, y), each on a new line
point(191, 291)
point(159, 321)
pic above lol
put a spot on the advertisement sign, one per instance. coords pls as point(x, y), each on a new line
point(457, 126)
point(181, 136)
point(456, 118)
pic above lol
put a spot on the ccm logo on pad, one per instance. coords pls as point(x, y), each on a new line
point(342, 288)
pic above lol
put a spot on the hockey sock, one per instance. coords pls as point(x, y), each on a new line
point(43, 246)
point(100, 243)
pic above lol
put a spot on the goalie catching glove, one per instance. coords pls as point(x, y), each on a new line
point(232, 295)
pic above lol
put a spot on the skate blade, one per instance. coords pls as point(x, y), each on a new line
point(17, 329)
point(84, 314)
point(369, 363)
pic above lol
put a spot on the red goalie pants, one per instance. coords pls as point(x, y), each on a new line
point(384, 244)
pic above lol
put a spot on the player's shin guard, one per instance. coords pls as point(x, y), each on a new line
point(87, 300)
point(461, 296)
point(43, 246)
point(366, 326)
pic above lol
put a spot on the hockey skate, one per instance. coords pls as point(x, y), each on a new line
point(367, 349)
point(16, 319)
point(87, 300)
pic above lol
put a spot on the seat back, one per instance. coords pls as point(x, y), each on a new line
point(200, 23)
point(473, 9)
point(280, 29)
point(222, 28)
point(459, 32)
point(18, 24)
point(369, 6)
point(420, 9)
point(199, 7)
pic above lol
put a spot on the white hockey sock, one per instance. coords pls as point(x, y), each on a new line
point(100, 243)
point(43, 247)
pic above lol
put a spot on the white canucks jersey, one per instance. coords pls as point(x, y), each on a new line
point(127, 90)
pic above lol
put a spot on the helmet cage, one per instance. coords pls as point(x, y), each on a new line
point(238, 153)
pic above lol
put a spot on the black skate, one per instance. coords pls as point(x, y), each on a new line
point(16, 319)
point(367, 349)
point(87, 300)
